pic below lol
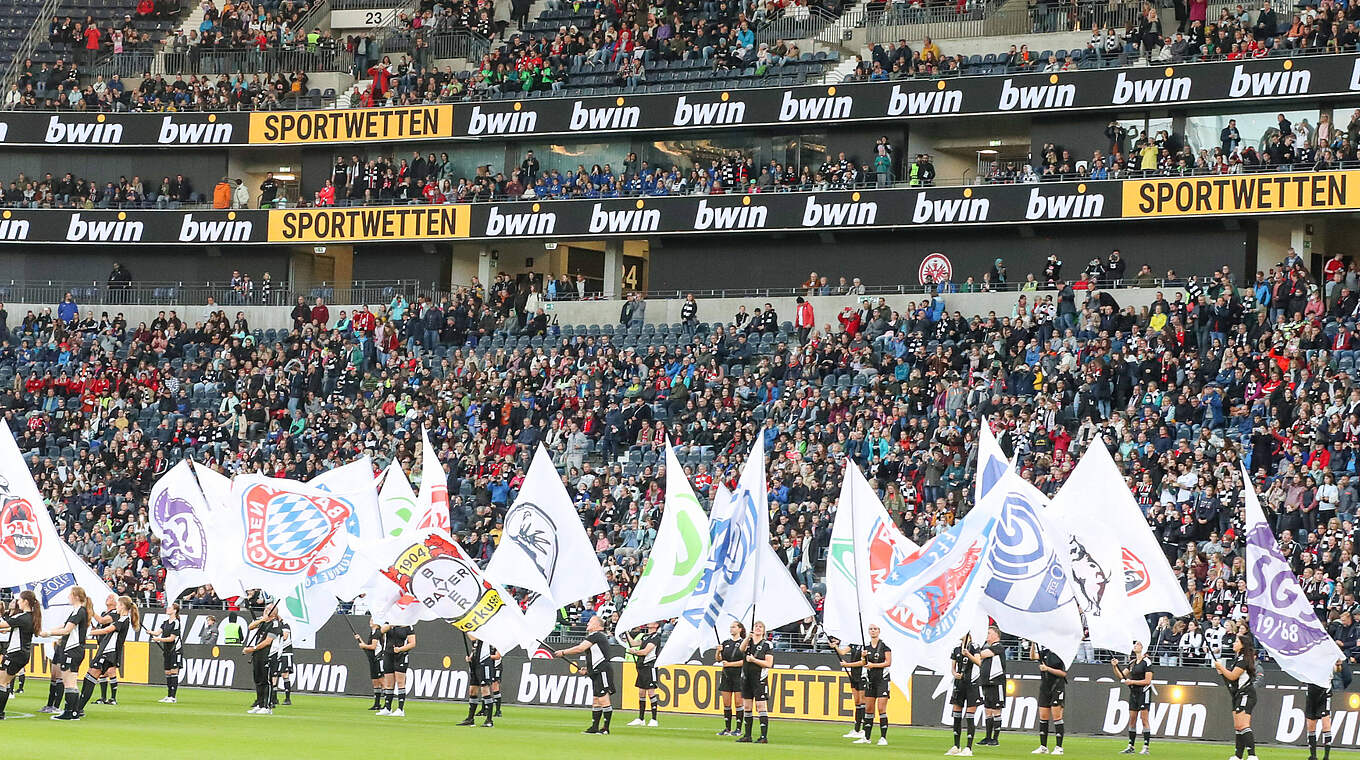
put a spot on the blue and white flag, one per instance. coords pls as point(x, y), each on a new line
point(1031, 592)
point(1278, 612)
point(729, 587)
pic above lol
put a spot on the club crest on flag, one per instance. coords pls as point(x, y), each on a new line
point(534, 531)
point(1136, 575)
point(49, 590)
point(184, 542)
point(20, 535)
point(1027, 574)
point(437, 574)
point(938, 596)
point(1274, 607)
point(437, 515)
point(285, 531)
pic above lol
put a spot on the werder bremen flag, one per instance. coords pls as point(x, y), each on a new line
point(544, 549)
point(431, 577)
point(30, 549)
point(397, 502)
point(1278, 612)
point(677, 558)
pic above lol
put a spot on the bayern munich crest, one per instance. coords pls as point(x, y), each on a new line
point(285, 530)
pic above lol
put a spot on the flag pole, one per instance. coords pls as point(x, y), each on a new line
point(854, 555)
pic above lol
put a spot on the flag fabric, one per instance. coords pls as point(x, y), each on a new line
point(181, 517)
point(676, 562)
point(397, 504)
point(1278, 612)
point(1149, 582)
point(1030, 592)
point(30, 548)
point(221, 562)
point(429, 576)
point(544, 549)
point(729, 588)
point(353, 484)
point(434, 487)
point(52, 592)
point(1096, 556)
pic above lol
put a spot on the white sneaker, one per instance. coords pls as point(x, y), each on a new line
point(265, 711)
point(253, 711)
point(383, 711)
point(1234, 757)
point(861, 740)
point(172, 700)
point(952, 751)
point(637, 722)
point(652, 723)
point(164, 700)
point(882, 741)
point(852, 734)
point(966, 752)
point(398, 713)
point(1040, 751)
point(1057, 750)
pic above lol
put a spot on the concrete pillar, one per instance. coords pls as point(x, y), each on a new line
point(613, 269)
point(486, 267)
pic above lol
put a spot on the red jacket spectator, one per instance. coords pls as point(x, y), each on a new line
point(803, 316)
point(320, 314)
point(326, 195)
point(363, 321)
point(849, 319)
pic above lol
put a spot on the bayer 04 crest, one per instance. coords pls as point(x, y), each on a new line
point(436, 573)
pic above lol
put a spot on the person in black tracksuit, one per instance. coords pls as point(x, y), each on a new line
point(171, 641)
point(1052, 695)
point(758, 658)
point(109, 656)
point(69, 653)
point(263, 633)
point(990, 660)
point(1318, 710)
point(966, 694)
point(646, 648)
point(372, 647)
point(479, 689)
point(595, 647)
point(23, 618)
point(852, 662)
point(1138, 677)
point(1239, 675)
point(730, 658)
point(877, 687)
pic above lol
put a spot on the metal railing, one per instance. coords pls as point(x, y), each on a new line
point(221, 61)
point(36, 34)
point(467, 45)
point(188, 293)
point(895, 22)
point(798, 23)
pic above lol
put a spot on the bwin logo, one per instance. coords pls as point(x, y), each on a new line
point(83, 133)
point(944, 210)
point(1184, 720)
point(1068, 206)
point(511, 122)
point(120, 231)
point(195, 132)
point(1264, 83)
point(552, 689)
point(809, 109)
point(11, 228)
point(436, 684)
point(217, 673)
point(707, 114)
point(1029, 97)
point(638, 219)
point(939, 100)
point(229, 230)
point(743, 217)
point(328, 679)
point(513, 225)
point(620, 117)
point(1169, 89)
point(839, 214)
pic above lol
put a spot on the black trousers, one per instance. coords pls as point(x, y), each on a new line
point(259, 667)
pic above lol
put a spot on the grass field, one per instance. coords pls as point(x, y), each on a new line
point(209, 723)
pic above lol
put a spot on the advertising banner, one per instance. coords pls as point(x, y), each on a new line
point(351, 125)
point(1242, 194)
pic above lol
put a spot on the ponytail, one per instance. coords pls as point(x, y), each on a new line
point(34, 608)
point(84, 601)
point(1248, 653)
point(133, 614)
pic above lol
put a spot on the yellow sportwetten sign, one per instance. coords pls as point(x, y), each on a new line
point(351, 125)
point(1242, 194)
point(339, 225)
point(794, 693)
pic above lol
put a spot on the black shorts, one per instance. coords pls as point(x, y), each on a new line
point(877, 688)
point(285, 663)
point(993, 696)
point(70, 660)
point(104, 661)
point(730, 681)
point(602, 682)
point(1140, 699)
point(756, 689)
point(856, 676)
point(497, 675)
point(374, 668)
point(172, 660)
point(1052, 693)
point(15, 662)
point(965, 695)
point(394, 662)
point(486, 673)
point(1318, 704)
point(646, 677)
point(1244, 701)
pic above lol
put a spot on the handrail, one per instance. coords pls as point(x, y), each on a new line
point(36, 34)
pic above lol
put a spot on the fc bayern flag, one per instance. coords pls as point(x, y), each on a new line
point(30, 549)
point(1278, 612)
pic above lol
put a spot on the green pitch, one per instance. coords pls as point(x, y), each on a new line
point(209, 724)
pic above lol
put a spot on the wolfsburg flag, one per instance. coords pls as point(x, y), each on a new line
point(1278, 612)
point(676, 562)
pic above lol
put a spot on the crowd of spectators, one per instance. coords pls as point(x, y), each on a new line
point(1251, 369)
point(71, 191)
point(59, 87)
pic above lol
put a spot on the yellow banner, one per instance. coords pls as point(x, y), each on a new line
point(1242, 194)
point(351, 125)
point(794, 693)
point(136, 662)
point(339, 225)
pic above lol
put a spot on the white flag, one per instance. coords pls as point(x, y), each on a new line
point(353, 484)
point(676, 562)
point(221, 561)
point(1278, 612)
point(397, 502)
point(1081, 509)
point(1031, 592)
point(181, 517)
point(434, 487)
point(30, 549)
point(53, 592)
point(1149, 583)
point(544, 549)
